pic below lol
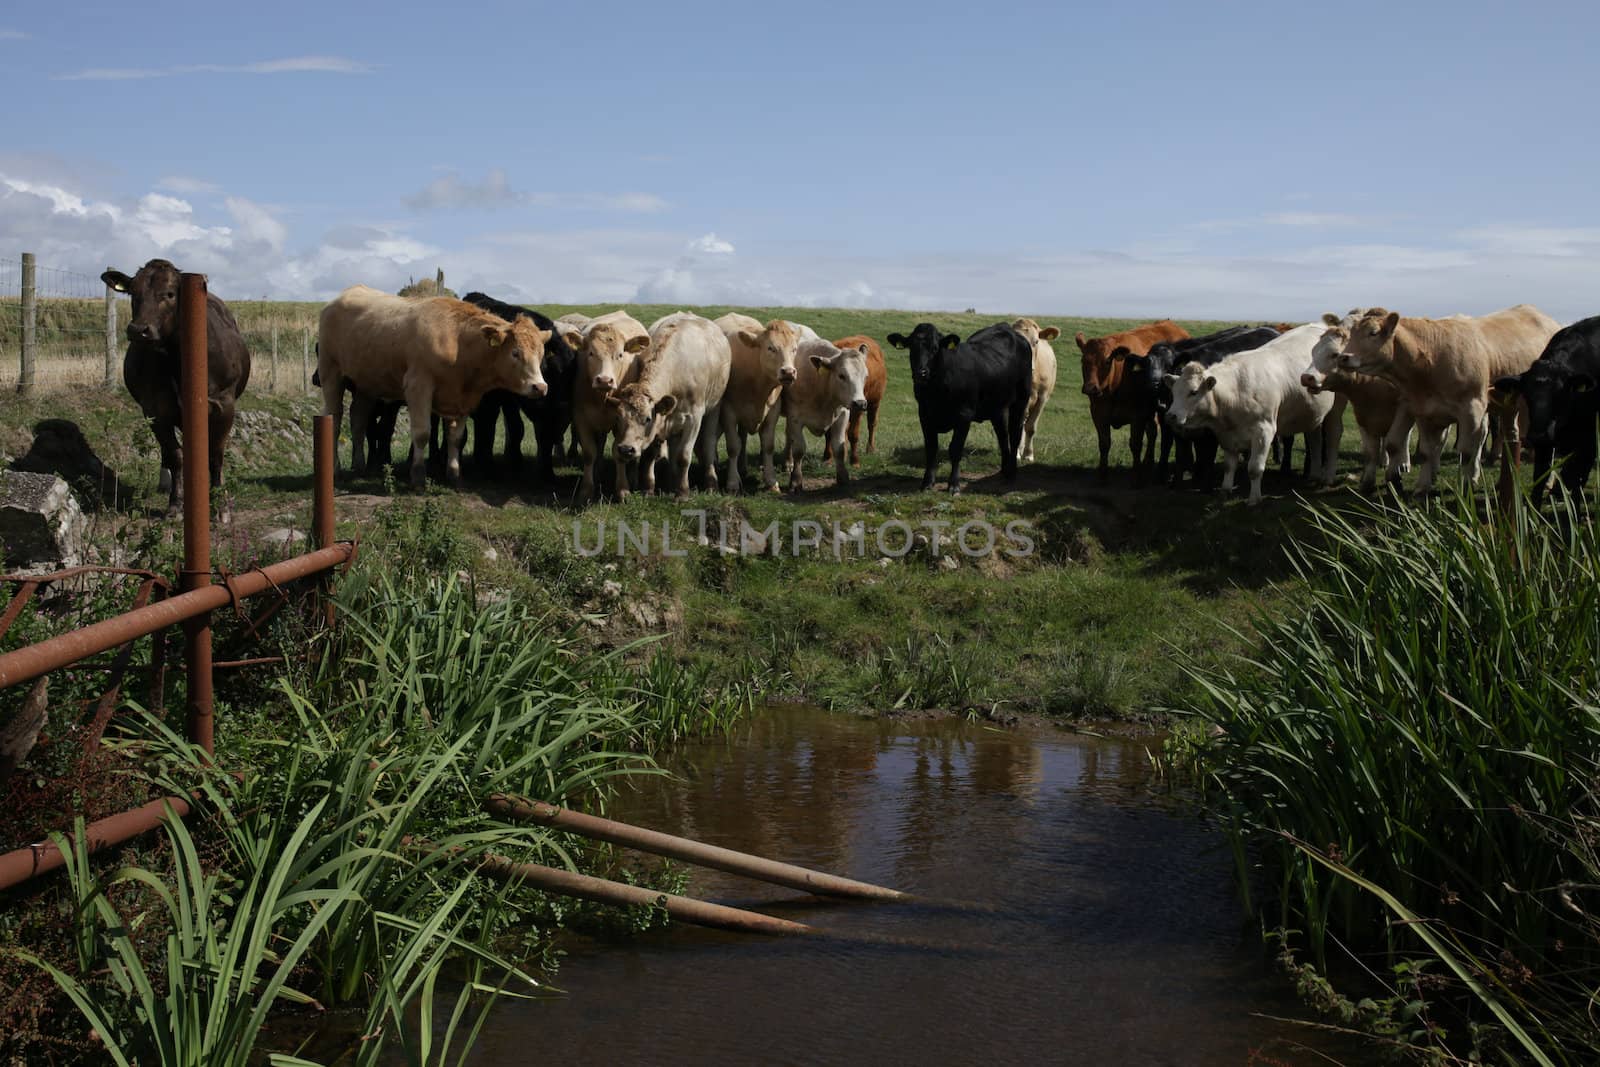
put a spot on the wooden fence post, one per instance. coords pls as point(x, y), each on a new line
point(438, 283)
point(272, 384)
point(305, 358)
point(30, 298)
point(111, 337)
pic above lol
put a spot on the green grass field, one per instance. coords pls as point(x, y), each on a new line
point(1122, 584)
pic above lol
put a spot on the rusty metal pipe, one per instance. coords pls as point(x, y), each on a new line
point(196, 575)
point(22, 864)
point(26, 664)
point(683, 909)
point(686, 850)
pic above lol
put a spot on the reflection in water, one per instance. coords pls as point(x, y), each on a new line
point(1103, 928)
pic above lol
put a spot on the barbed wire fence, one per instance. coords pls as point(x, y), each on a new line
point(60, 329)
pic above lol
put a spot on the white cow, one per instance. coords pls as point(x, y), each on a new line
point(763, 364)
point(1249, 398)
point(1044, 379)
point(675, 401)
point(831, 384)
point(1381, 416)
point(609, 348)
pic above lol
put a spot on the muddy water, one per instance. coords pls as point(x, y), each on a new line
point(1106, 929)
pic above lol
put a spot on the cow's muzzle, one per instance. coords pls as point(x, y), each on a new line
point(1090, 391)
point(1311, 382)
point(628, 451)
point(142, 332)
point(604, 382)
point(536, 389)
point(858, 405)
point(786, 375)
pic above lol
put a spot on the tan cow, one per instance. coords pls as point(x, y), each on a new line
point(674, 401)
point(1444, 367)
point(830, 388)
point(609, 349)
point(877, 385)
point(1044, 379)
point(1381, 415)
point(438, 354)
point(763, 364)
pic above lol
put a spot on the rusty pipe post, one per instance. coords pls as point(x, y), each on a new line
point(193, 387)
point(322, 515)
point(27, 663)
point(24, 863)
point(686, 850)
point(602, 891)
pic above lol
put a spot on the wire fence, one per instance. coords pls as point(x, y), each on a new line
point(79, 332)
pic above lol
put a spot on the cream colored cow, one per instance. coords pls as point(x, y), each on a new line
point(609, 348)
point(1044, 379)
point(763, 365)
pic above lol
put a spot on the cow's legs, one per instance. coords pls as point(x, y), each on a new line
point(872, 429)
point(361, 419)
point(732, 481)
point(1431, 444)
point(1332, 433)
point(1397, 447)
point(547, 435)
point(1230, 463)
point(166, 432)
point(958, 445)
point(455, 432)
point(1012, 446)
point(704, 443)
point(484, 418)
point(220, 425)
point(835, 438)
point(419, 408)
point(1029, 422)
point(794, 439)
point(930, 454)
point(1260, 449)
point(1103, 432)
point(1371, 453)
point(1470, 434)
point(547, 442)
point(769, 441)
point(589, 443)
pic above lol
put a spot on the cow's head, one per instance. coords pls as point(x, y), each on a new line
point(1194, 397)
point(1100, 357)
point(155, 300)
point(1370, 344)
point(1325, 354)
point(639, 418)
point(777, 343)
point(846, 371)
point(1146, 374)
point(1556, 395)
point(516, 353)
point(604, 355)
point(1030, 329)
point(925, 344)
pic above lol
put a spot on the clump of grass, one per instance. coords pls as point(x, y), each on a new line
point(1090, 684)
point(930, 672)
point(1413, 751)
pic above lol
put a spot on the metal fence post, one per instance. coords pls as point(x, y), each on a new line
point(196, 501)
point(111, 336)
point(30, 299)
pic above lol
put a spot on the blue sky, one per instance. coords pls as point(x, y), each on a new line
point(1211, 160)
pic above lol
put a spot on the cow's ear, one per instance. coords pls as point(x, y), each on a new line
point(863, 349)
point(1330, 319)
point(666, 405)
point(1511, 383)
point(748, 339)
point(493, 334)
point(1583, 383)
point(1049, 333)
point(1081, 339)
point(896, 340)
point(1390, 321)
point(636, 344)
point(1209, 384)
point(950, 340)
point(824, 363)
point(573, 338)
point(1169, 379)
point(614, 400)
point(1120, 354)
point(117, 280)
point(544, 336)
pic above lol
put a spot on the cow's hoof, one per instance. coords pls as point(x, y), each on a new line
point(795, 488)
point(927, 487)
point(955, 490)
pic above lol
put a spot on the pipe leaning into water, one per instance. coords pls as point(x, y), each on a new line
point(682, 848)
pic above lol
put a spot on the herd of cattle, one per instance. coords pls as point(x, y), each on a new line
point(671, 390)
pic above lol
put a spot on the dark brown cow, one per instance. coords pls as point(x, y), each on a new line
point(1110, 405)
point(877, 383)
point(152, 367)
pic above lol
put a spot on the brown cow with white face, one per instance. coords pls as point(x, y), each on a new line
point(1110, 405)
point(437, 354)
point(151, 368)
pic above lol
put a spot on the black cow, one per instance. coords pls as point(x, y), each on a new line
point(550, 414)
point(152, 367)
point(1562, 391)
point(1196, 450)
point(986, 378)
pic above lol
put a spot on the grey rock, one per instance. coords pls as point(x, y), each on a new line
point(40, 521)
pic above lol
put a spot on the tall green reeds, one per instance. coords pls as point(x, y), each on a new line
point(1429, 723)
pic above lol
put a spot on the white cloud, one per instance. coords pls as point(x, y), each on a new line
point(712, 245)
point(249, 251)
point(291, 65)
point(13, 35)
point(1315, 219)
point(452, 192)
